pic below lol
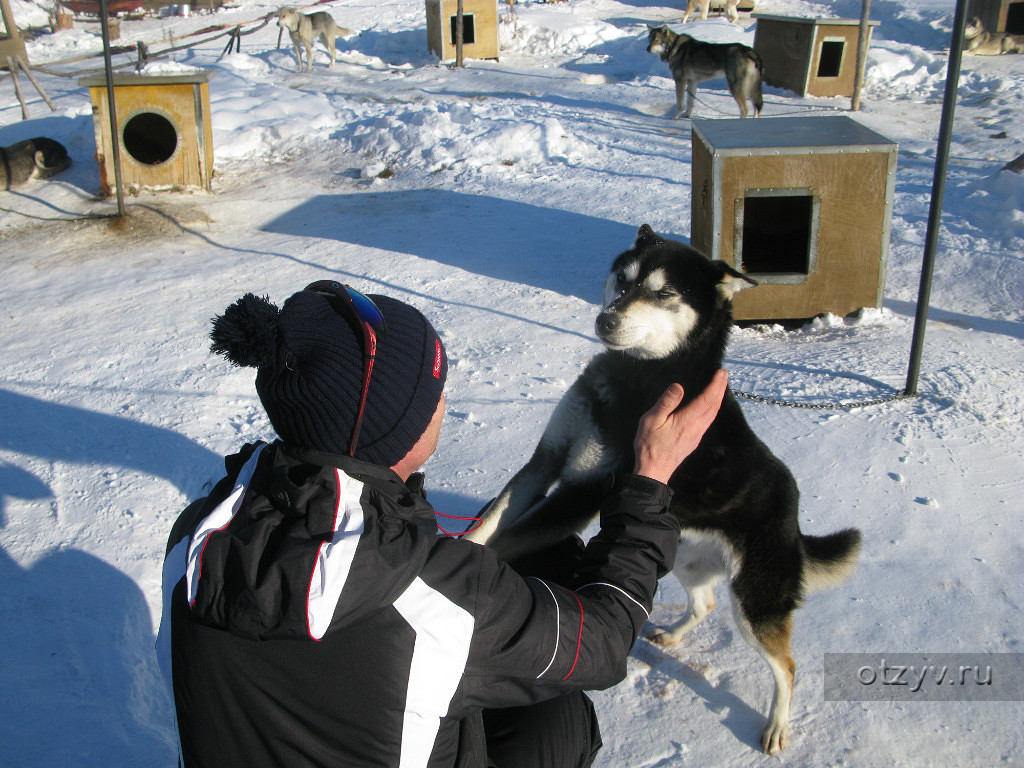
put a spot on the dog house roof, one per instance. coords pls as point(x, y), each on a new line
point(766, 134)
point(819, 21)
point(196, 76)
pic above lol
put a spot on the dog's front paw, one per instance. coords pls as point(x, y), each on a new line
point(775, 737)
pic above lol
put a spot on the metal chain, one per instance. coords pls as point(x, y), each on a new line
point(901, 395)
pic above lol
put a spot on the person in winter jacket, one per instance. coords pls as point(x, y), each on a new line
point(314, 617)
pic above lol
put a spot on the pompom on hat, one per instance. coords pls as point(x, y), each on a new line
point(310, 363)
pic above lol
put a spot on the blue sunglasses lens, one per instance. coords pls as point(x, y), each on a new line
point(351, 299)
point(368, 311)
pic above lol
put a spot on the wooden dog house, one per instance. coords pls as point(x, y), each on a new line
point(811, 57)
point(801, 204)
point(479, 28)
point(1000, 15)
point(163, 127)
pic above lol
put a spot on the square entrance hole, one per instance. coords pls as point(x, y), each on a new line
point(468, 29)
point(831, 59)
point(1015, 19)
point(778, 236)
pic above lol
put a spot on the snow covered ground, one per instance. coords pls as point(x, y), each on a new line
point(511, 185)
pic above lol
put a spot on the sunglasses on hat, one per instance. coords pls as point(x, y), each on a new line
point(368, 322)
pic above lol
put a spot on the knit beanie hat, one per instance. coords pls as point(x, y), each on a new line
point(309, 362)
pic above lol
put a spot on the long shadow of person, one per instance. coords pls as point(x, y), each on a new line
point(81, 685)
point(80, 678)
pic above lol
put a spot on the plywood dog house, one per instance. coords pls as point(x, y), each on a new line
point(811, 57)
point(479, 28)
point(801, 204)
point(163, 128)
point(1000, 15)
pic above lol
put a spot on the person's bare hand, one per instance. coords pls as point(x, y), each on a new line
point(666, 436)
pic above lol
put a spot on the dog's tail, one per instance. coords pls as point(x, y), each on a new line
point(828, 560)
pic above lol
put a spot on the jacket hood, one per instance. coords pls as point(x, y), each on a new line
point(305, 543)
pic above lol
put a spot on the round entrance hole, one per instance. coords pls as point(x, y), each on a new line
point(150, 138)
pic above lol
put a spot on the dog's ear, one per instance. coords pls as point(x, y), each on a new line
point(732, 282)
point(645, 236)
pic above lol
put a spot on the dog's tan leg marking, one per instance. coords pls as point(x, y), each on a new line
point(773, 645)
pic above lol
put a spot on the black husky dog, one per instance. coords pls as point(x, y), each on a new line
point(666, 318)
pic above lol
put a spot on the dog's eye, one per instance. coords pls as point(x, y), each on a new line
point(666, 293)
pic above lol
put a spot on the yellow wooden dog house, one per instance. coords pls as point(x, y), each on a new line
point(811, 57)
point(1000, 15)
point(803, 205)
point(163, 128)
point(479, 28)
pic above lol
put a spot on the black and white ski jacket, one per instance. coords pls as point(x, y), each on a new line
point(314, 617)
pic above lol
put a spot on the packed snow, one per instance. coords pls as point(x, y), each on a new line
point(494, 197)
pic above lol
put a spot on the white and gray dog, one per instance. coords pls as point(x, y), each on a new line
point(305, 28)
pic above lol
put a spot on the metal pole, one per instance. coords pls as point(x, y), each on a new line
point(115, 145)
point(938, 188)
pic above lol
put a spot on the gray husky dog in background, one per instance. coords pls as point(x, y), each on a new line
point(35, 158)
point(304, 29)
point(694, 61)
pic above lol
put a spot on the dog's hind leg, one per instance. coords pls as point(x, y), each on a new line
point(771, 641)
point(698, 567)
point(680, 95)
point(328, 40)
point(700, 602)
point(691, 97)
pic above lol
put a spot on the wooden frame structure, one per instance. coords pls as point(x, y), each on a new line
point(809, 56)
point(480, 28)
point(803, 205)
point(163, 127)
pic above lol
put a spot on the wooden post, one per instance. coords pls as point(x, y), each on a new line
point(32, 79)
point(862, 53)
point(458, 34)
point(13, 68)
